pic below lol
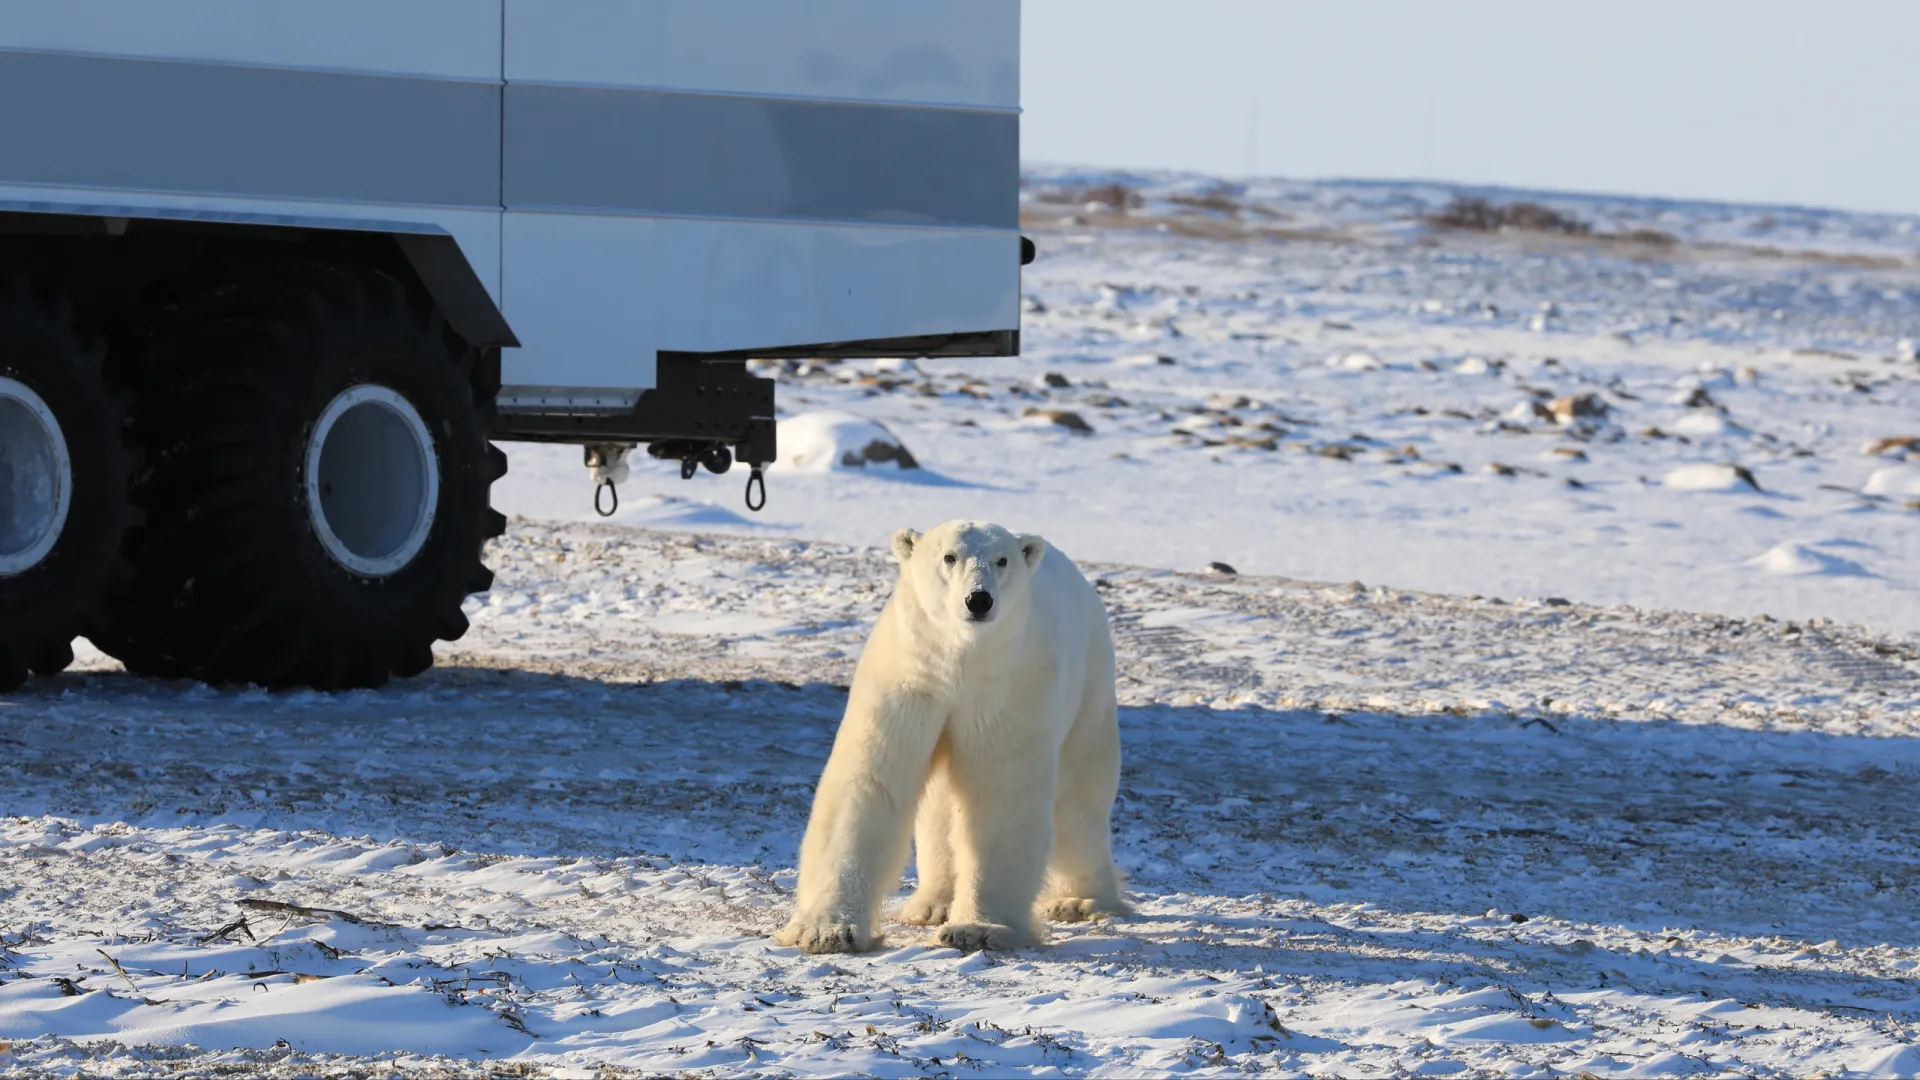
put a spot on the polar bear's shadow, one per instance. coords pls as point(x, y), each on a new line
point(1423, 811)
point(1436, 812)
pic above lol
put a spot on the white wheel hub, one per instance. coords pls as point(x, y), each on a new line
point(373, 480)
point(36, 478)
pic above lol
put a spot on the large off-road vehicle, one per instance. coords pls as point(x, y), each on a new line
point(273, 273)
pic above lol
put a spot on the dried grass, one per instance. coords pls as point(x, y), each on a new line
point(1475, 214)
point(1116, 197)
point(1218, 202)
point(1470, 213)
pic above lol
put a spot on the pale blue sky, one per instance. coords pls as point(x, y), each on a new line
point(1794, 101)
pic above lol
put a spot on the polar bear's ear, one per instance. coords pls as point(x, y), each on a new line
point(1033, 548)
point(903, 541)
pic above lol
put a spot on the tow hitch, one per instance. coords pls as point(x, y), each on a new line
point(607, 466)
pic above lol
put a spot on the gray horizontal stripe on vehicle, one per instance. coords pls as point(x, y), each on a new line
point(217, 129)
point(267, 133)
point(651, 151)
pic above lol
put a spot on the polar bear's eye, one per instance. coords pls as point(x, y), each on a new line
point(1002, 564)
point(951, 558)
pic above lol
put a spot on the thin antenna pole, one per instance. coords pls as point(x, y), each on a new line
point(1253, 136)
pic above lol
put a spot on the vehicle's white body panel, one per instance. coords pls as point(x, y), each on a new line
point(734, 284)
point(667, 175)
point(581, 296)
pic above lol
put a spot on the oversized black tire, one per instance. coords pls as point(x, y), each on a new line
point(63, 482)
point(317, 496)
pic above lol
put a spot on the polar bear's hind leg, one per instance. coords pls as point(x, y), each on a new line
point(1082, 880)
point(1004, 794)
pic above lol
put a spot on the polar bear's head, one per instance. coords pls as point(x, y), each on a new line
point(964, 574)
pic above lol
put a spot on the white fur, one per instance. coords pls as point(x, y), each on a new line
point(1002, 734)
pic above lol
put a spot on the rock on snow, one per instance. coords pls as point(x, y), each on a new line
point(822, 442)
point(1709, 476)
point(1894, 480)
point(1801, 560)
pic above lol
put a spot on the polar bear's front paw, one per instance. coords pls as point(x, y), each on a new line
point(825, 936)
point(972, 937)
point(924, 910)
point(1073, 909)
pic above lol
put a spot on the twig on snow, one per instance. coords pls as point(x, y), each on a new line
point(304, 911)
point(299, 977)
point(516, 1023)
point(121, 970)
point(221, 934)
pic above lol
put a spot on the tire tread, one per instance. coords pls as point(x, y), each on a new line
point(218, 596)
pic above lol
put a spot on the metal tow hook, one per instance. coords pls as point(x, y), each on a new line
point(607, 464)
point(757, 482)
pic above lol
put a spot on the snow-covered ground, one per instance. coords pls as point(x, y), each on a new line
point(1507, 825)
point(1351, 395)
point(1430, 834)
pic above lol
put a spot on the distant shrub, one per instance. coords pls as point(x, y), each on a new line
point(1216, 201)
point(1648, 236)
point(1116, 196)
point(1112, 196)
point(1475, 214)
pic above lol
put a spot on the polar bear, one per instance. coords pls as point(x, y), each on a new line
point(983, 716)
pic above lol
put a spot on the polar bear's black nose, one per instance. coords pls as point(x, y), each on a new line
point(979, 602)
